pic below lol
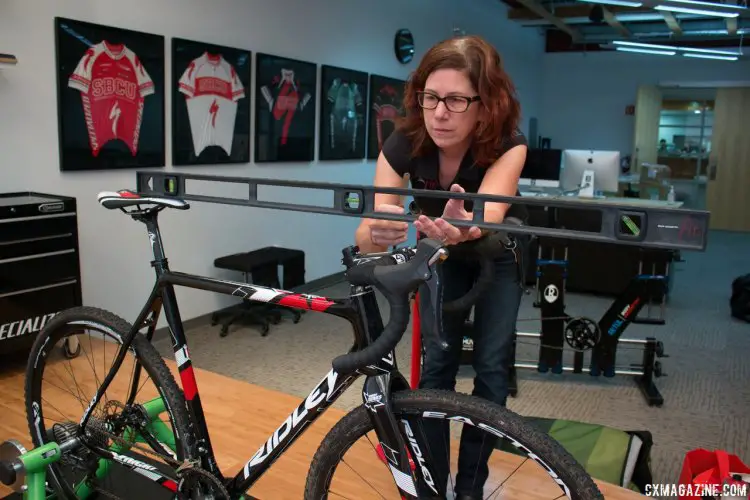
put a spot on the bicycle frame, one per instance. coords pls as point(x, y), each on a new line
point(360, 309)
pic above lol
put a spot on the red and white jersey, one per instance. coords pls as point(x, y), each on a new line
point(113, 85)
point(212, 88)
point(284, 99)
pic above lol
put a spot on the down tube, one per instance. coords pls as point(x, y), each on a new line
point(319, 400)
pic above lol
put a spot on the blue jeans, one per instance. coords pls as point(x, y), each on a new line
point(495, 315)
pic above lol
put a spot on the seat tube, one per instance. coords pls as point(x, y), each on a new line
point(180, 347)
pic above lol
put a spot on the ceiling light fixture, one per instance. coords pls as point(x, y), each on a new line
point(704, 12)
point(647, 51)
point(638, 16)
point(712, 8)
point(710, 4)
point(676, 47)
point(624, 3)
point(709, 56)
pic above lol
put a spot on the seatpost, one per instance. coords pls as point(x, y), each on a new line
point(154, 236)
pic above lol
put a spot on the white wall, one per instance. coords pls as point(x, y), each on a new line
point(354, 34)
point(584, 95)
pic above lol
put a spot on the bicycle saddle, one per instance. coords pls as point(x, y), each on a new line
point(126, 198)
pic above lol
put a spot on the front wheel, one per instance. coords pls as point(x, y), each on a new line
point(479, 471)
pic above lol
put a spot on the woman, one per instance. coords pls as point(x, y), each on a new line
point(460, 134)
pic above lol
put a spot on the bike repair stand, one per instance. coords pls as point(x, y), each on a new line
point(581, 334)
point(602, 338)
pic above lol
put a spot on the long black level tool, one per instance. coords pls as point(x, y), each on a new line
point(648, 227)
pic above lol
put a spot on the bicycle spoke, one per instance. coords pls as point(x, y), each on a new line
point(363, 479)
point(500, 486)
point(83, 400)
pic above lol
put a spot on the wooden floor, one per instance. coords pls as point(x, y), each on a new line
point(241, 416)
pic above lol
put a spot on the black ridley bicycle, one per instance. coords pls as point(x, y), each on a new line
point(167, 430)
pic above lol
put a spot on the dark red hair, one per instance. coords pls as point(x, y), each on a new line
point(483, 65)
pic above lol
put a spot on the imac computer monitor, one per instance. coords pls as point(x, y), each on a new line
point(542, 168)
point(604, 164)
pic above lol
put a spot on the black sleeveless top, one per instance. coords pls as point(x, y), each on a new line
point(424, 173)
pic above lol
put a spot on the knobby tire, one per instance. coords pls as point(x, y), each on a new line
point(357, 423)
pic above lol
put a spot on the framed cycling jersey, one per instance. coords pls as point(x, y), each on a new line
point(343, 112)
point(285, 91)
point(210, 103)
point(385, 105)
point(110, 84)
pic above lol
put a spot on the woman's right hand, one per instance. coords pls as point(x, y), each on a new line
point(388, 233)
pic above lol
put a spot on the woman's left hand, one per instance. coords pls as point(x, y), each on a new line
point(443, 231)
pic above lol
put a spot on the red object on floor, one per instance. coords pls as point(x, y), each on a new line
point(703, 468)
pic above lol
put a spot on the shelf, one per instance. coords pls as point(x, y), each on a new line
point(7, 60)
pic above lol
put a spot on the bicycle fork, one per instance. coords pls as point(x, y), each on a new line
point(398, 445)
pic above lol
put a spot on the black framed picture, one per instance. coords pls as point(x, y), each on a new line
point(343, 114)
point(385, 106)
point(210, 103)
point(110, 87)
point(285, 91)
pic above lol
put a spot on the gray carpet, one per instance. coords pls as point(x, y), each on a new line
point(706, 390)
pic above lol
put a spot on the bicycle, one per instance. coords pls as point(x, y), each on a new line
point(389, 404)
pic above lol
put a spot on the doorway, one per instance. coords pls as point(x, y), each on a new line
point(685, 136)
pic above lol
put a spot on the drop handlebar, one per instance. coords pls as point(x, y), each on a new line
point(398, 273)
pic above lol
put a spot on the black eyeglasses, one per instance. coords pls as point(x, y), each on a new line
point(454, 103)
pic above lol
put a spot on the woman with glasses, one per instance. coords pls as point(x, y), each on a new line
point(460, 134)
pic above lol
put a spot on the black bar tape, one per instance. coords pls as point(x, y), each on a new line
point(397, 323)
point(486, 250)
point(395, 282)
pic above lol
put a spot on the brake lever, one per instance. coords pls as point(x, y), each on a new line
point(434, 286)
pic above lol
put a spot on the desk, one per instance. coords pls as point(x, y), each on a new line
point(633, 202)
point(598, 268)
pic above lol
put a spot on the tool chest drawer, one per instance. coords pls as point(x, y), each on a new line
point(40, 245)
point(37, 270)
point(39, 264)
point(19, 229)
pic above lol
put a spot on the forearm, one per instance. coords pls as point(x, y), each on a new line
point(502, 180)
point(493, 214)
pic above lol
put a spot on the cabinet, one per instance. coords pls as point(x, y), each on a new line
point(39, 264)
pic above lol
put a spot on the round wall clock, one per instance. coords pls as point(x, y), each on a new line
point(404, 46)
